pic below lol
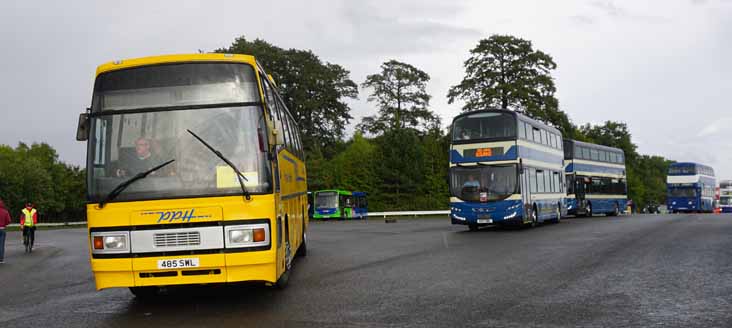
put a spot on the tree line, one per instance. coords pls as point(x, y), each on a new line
point(399, 155)
point(34, 174)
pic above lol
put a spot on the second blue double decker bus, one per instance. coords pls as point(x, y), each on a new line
point(505, 168)
point(690, 188)
point(596, 181)
point(725, 196)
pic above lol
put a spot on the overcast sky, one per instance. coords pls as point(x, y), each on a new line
point(663, 67)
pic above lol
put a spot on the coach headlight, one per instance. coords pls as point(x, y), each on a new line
point(247, 235)
point(513, 207)
point(241, 236)
point(113, 242)
point(510, 216)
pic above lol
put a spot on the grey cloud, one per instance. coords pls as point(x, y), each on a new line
point(582, 19)
point(381, 31)
point(612, 10)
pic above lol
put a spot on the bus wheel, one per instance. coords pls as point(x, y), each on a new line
point(303, 250)
point(283, 281)
point(616, 210)
point(146, 292)
point(473, 227)
point(534, 217)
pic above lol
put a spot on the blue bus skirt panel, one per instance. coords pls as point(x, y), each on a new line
point(548, 208)
point(359, 212)
point(607, 205)
point(726, 209)
point(505, 211)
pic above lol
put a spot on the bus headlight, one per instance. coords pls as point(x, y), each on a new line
point(115, 242)
point(247, 235)
point(240, 236)
point(110, 242)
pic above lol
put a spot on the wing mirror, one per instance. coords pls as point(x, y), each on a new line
point(82, 129)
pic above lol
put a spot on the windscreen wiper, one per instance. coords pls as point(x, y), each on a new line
point(239, 175)
point(122, 186)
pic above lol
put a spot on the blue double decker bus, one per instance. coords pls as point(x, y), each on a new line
point(691, 188)
point(596, 180)
point(505, 168)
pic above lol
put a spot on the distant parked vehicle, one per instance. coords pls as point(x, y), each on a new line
point(339, 204)
point(652, 208)
point(596, 179)
point(725, 196)
point(690, 188)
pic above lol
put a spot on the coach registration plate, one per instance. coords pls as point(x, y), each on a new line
point(485, 221)
point(178, 263)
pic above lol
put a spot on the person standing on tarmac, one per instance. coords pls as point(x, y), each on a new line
point(28, 221)
point(4, 222)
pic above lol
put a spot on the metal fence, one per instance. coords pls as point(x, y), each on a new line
point(408, 213)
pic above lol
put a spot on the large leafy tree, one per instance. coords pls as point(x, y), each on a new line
point(316, 92)
point(506, 72)
point(400, 92)
point(612, 134)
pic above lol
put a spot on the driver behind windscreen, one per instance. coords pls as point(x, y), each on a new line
point(141, 161)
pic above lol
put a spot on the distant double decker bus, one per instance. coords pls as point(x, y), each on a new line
point(690, 188)
point(195, 174)
point(505, 168)
point(596, 180)
point(725, 196)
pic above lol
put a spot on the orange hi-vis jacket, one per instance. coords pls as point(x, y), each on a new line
point(29, 217)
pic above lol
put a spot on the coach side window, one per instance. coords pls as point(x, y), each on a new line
point(293, 135)
point(594, 155)
point(585, 153)
point(540, 181)
point(536, 135)
point(521, 130)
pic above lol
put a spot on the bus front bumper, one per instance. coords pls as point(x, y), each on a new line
point(483, 215)
point(212, 268)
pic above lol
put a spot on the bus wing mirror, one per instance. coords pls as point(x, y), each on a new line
point(82, 129)
point(279, 137)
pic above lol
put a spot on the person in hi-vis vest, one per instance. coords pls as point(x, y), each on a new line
point(28, 221)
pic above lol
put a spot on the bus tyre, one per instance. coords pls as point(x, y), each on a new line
point(283, 281)
point(146, 292)
point(302, 251)
point(559, 214)
point(615, 211)
point(534, 215)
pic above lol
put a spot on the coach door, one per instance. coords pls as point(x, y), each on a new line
point(526, 190)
